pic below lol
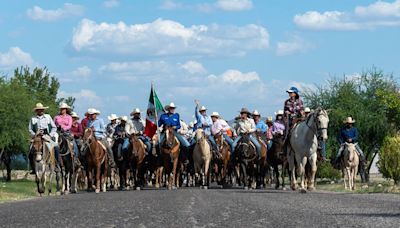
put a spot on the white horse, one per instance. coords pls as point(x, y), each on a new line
point(303, 145)
point(350, 163)
point(202, 157)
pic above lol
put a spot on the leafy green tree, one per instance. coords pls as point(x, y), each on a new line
point(389, 162)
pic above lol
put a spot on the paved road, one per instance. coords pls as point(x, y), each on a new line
point(205, 208)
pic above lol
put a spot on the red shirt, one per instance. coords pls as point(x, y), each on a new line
point(84, 122)
point(77, 129)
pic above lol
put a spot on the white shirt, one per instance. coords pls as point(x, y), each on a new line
point(42, 122)
point(137, 126)
point(246, 126)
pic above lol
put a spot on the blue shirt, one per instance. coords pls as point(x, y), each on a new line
point(348, 133)
point(172, 120)
point(262, 126)
point(204, 122)
point(99, 127)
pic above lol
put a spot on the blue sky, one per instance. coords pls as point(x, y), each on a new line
point(226, 53)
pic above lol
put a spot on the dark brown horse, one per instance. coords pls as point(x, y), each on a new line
point(221, 163)
point(136, 156)
point(277, 157)
point(96, 156)
point(67, 157)
point(262, 165)
point(245, 161)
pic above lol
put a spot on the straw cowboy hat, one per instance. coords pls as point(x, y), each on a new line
point(215, 114)
point(269, 119)
point(307, 110)
point(203, 108)
point(245, 110)
point(135, 111)
point(39, 106)
point(124, 118)
point(349, 120)
point(92, 111)
point(280, 112)
point(64, 105)
point(171, 105)
point(256, 113)
point(74, 115)
point(112, 117)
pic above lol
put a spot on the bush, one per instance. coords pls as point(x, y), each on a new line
point(326, 170)
point(389, 162)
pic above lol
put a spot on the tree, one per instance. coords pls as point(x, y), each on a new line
point(360, 97)
point(389, 162)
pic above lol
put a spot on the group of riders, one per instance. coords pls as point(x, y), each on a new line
point(67, 124)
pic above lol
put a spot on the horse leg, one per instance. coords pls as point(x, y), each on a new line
point(98, 175)
point(89, 176)
point(104, 176)
point(292, 169)
point(276, 172)
point(311, 181)
point(174, 172)
point(301, 167)
point(206, 172)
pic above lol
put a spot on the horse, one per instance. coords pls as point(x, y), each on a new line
point(45, 161)
point(96, 157)
point(245, 161)
point(262, 165)
point(67, 161)
point(302, 146)
point(169, 158)
point(136, 157)
point(123, 165)
point(277, 157)
point(350, 162)
point(202, 157)
point(221, 163)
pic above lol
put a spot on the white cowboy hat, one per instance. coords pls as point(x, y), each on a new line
point(191, 124)
point(269, 119)
point(112, 117)
point(92, 111)
point(203, 108)
point(256, 113)
point(74, 115)
point(280, 112)
point(349, 120)
point(124, 118)
point(39, 106)
point(307, 110)
point(64, 105)
point(215, 114)
point(135, 111)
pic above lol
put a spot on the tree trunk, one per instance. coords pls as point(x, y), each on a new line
point(7, 162)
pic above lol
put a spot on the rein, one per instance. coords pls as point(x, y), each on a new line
point(318, 129)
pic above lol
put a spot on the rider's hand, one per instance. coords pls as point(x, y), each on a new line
point(197, 102)
point(349, 140)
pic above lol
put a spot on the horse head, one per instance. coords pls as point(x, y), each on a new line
point(244, 146)
point(169, 137)
point(200, 135)
point(278, 142)
point(349, 151)
point(219, 140)
point(320, 117)
point(38, 147)
point(87, 139)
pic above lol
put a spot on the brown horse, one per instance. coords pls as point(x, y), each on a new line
point(277, 157)
point(96, 157)
point(262, 165)
point(136, 156)
point(44, 162)
point(221, 164)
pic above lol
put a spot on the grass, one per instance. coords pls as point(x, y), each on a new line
point(17, 190)
point(376, 185)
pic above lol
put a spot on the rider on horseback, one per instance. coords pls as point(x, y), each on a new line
point(270, 136)
point(76, 131)
point(246, 125)
point(219, 126)
point(110, 128)
point(260, 125)
point(138, 129)
point(293, 107)
point(203, 121)
point(97, 124)
point(63, 121)
point(43, 124)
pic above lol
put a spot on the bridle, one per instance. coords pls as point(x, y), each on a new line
point(316, 128)
point(88, 142)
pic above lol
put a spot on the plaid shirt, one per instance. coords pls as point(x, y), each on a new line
point(294, 107)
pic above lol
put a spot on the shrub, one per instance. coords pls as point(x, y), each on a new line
point(326, 170)
point(389, 158)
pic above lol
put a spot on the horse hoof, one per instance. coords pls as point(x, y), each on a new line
point(284, 189)
point(74, 191)
point(311, 188)
point(57, 193)
point(246, 188)
point(205, 188)
point(137, 188)
point(303, 191)
point(97, 191)
point(104, 190)
point(66, 192)
point(157, 186)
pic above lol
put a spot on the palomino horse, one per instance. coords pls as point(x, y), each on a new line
point(45, 161)
point(303, 144)
point(277, 157)
point(96, 157)
point(222, 162)
point(202, 157)
point(350, 161)
point(67, 167)
point(136, 156)
point(245, 162)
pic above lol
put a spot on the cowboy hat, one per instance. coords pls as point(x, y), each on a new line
point(307, 110)
point(74, 115)
point(215, 114)
point(64, 105)
point(280, 112)
point(135, 111)
point(349, 120)
point(124, 118)
point(112, 117)
point(92, 111)
point(293, 90)
point(170, 105)
point(256, 113)
point(245, 110)
point(203, 108)
point(39, 106)
point(269, 119)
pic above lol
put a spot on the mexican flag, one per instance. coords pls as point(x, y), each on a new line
point(154, 110)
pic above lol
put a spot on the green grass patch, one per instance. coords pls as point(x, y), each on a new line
point(17, 190)
point(375, 186)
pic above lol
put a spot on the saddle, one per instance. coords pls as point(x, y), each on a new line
point(102, 145)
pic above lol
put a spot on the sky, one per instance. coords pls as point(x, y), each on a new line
point(228, 54)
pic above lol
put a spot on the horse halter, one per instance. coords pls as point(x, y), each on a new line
point(88, 142)
point(319, 129)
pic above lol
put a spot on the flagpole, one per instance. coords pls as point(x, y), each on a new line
point(156, 115)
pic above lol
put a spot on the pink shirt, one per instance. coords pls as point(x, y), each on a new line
point(219, 125)
point(64, 121)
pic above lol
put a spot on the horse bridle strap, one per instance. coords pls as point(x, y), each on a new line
point(318, 129)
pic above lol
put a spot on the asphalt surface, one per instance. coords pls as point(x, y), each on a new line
point(205, 208)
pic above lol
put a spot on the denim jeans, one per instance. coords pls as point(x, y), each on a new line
point(180, 138)
point(361, 153)
point(76, 148)
point(146, 141)
point(252, 139)
point(125, 145)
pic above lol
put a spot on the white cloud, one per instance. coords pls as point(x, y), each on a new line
point(295, 45)
point(234, 5)
point(15, 57)
point(378, 14)
point(235, 77)
point(85, 98)
point(82, 73)
point(194, 67)
point(166, 38)
point(171, 5)
point(68, 10)
point(111, 3)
